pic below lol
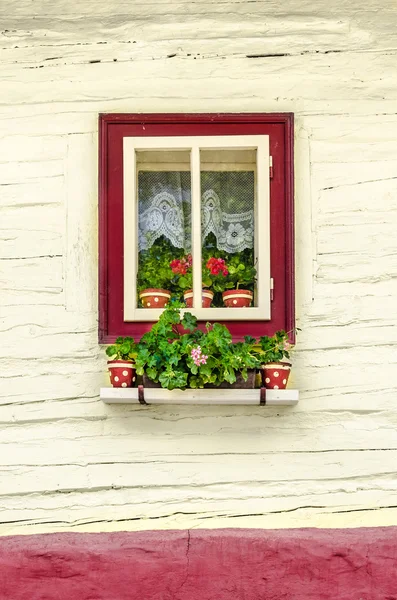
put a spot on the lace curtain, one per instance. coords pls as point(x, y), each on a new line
point(227, 208)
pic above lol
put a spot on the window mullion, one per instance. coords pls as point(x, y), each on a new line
point(196, 226)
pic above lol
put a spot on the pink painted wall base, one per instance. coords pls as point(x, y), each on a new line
point(299, 564)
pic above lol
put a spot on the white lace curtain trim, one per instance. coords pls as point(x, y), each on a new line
point(164, 216)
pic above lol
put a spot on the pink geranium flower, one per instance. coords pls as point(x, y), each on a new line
point(198, 357)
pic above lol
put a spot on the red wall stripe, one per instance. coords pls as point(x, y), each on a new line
point(298, 564)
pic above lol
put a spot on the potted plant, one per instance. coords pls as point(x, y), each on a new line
point(239, 282)
point(121, 363)
point(274, 371)
point(176, 354)
point(155, 276)
point(183, 269)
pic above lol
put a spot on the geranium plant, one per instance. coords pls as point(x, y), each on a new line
point(121, 363)
point(182, 269)
point(275, 348)
point(240, 273)
point(176, 354)
point(227, 277)
point(215, 274)
point(124, 348)
point(154, 269)
point(272, 351)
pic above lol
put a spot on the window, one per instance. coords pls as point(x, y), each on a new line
point(204, 202)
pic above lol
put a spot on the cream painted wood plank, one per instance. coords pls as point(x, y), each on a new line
point(19, 243)
point(32, 148)
point(173, 433)
point(257, 480)
point(53, 319)
point(23, 171)
point(118, 449)
point(56, 402)
point(193, 471)
point(33, 192)
point(56, 387)
point(47, 345)
point(347, 337)
point(32, 276)
point(371, 196)
point(334, 311)
point(178, 519)
point(143, 506)
point(220, 78)
point(335, 175)
point(340, 268)
point(381, 240)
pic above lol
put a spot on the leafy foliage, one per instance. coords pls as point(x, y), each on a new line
point(168, 352)
point(164, 266)
point(275, 348)
point(154, 269)
point(241, 274)
point(240, 270)
point(183, 270)
point(124, 348)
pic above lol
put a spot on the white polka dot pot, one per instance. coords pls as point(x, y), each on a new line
point(237, 298)
point(275, 375)
point(154, 298)
point(122, 373)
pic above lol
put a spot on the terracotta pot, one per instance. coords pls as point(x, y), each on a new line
point(154, 298)
point(275, 375)
point(237, 298)
point(122, 373)
point(207, 296)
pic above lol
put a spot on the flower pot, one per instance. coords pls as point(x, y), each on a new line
point(207, 296)
point(239, 383)
point(122, 373)
point(237, 298)
point(275, 375)
point(154, 298)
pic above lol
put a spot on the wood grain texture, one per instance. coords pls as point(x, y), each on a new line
point(70, 463)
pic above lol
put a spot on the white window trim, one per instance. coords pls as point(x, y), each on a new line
point(262, 215)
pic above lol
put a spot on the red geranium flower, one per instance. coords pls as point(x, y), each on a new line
point(217, 266)
point(181, 266)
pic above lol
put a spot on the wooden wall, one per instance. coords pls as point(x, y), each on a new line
point(70, 463)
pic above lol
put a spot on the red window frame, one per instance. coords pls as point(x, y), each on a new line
point(112, 129)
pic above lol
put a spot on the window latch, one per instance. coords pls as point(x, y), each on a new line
point(271, 288)
point(271, 167)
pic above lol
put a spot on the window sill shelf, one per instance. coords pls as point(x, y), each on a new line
point(111, 395)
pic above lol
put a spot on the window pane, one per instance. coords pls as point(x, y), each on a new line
point(228, 230)
point(164, 226)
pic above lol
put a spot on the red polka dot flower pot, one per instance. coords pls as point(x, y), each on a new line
point(154, 298)
point(122, 373)
point(207, 297)
point(275, 375)
point(237, 298)
point(121, 365)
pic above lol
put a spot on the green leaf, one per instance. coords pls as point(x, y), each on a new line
point(189, 321)
point(152, 374)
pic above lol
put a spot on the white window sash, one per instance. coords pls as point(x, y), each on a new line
point(194, 144)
